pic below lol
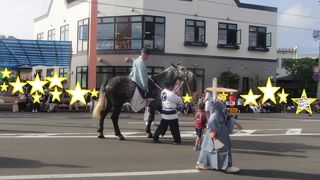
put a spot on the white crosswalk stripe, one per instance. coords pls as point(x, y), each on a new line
point(184, 134)
point(293, 132)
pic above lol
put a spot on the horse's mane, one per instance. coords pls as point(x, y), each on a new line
point(163, 73)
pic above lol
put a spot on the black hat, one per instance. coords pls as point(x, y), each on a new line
point(145, 51)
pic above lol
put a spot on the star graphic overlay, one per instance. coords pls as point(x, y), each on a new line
point(56, 80)
point(5, 73)
point(4, 87)
point(37, 85)
point(17, 86)
point(283, 97)
point(187, 98)
point(223, 96)
point(56, 94)
point(36, 98)
point(269, 91)
point(304, 102)
point(94, 93)
point(250, 98)
point(77, 94)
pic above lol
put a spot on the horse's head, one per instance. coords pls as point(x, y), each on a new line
point(182, 73)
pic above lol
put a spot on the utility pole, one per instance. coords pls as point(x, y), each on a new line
point(316, 37)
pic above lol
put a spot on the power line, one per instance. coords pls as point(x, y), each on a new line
point(193, 15)
point(290, 14)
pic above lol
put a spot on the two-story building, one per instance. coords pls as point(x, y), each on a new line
point(208, 37)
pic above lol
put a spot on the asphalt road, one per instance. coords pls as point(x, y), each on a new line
point(65, 146)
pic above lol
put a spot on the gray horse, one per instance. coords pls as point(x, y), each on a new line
point(120, 90)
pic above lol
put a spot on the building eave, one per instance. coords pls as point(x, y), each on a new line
point(70, 4)
point(257, 7)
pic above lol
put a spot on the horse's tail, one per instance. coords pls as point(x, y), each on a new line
point(102, 102)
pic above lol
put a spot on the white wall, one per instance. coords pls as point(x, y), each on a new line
point(59, 15)
point(212, 14)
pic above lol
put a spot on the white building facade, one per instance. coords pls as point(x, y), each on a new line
point(208, 37)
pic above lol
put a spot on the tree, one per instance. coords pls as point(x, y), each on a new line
point(228, 79)
point(302, 71)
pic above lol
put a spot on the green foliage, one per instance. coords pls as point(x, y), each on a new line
point(228, 79)
point(302, 71)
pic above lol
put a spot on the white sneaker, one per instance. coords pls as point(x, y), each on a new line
point(232, 170)
point(146, 114)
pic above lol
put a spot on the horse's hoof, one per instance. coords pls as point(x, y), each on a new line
point(101, 136)
point(149, 135)
point(121, 138)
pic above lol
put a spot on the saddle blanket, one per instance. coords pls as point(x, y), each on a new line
point(137, 102)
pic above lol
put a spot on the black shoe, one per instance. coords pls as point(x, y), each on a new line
point(156, 141)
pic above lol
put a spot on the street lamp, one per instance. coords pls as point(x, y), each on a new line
point(316, 37)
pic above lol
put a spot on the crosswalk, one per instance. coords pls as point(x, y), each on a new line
point(184, 134)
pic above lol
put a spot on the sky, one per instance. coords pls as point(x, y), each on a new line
point(16, 19)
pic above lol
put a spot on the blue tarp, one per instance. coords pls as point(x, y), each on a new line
point(15, 53)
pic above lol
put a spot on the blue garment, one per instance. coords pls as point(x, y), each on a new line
point(139, 73)
point(222, 123)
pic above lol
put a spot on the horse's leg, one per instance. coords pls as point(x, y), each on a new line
point(150, 120)
point(103, 114)
point(115, 118)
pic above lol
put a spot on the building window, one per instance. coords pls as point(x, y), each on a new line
point(51, 35)
point(154, 32)
point(228, 36)
point(259, 39)
point(245, 84)
point(130, 33)
point(63, 72)
point(39, 71)
point(40, 36)
point(105, 36)
point(199, 73)
point(83, 33)
point(195, 33)
point(50, 72)
point(105, 73)
point(82, 76)
point(64, 33)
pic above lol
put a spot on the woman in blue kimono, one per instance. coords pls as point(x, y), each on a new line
point(216, 149)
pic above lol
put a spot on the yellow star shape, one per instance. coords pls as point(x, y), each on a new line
point(268, 92)
point(4, 87)
point(5, 73)
point(94, 93)
point(56, 80)
point(223, 96)
point(250, 98)
point(37, 85)
point(56, 94)
point(304, 102)
point(187, 98)
point(17, 86)
point(36, 98)
point(77, 94)
point(283, 97)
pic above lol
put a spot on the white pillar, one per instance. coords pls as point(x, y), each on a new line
point(214, 84)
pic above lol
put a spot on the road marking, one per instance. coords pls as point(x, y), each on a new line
point(244, 132)
point(185, 134)
point(293, 132)
point(310, 120)
point(92, 175)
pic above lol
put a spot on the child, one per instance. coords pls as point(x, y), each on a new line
point(169, 99)
point(200, 120)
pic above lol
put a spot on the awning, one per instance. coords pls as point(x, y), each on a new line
point(15, 53)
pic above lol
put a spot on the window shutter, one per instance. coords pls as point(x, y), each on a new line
point(268, 39)
point(239, 37)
